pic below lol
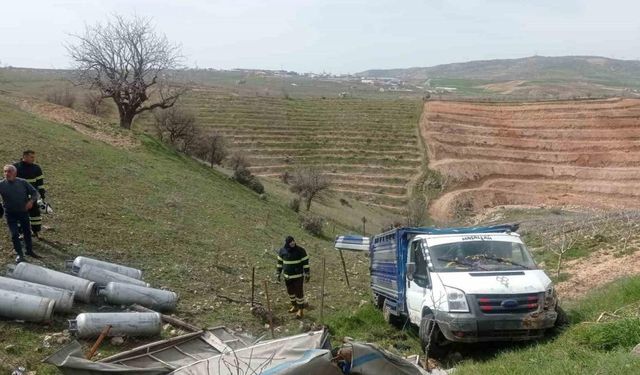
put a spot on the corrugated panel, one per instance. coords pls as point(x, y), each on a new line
point(352, 243)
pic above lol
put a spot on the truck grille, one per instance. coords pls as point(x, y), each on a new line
point(508, 303)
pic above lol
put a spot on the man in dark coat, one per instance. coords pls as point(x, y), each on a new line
point(293, 265)
point(18, 196)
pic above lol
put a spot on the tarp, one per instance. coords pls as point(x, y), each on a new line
point(279, 356)
point(70, 361)
point(369, 359)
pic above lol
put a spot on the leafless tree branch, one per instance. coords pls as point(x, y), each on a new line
point(127, 61)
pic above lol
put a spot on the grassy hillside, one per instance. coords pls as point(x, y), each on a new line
point(564, 68)
point(189, 228)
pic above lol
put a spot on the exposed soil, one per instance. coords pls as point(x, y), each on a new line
point(579, 153)
point(84, 123)
point(596, 270)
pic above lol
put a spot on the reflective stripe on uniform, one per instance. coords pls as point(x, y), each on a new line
point(293, 276)
point(30, 180)
point(293, 261)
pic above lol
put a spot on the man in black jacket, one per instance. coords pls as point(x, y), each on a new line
point(18, 196)
point(30, 171)
point(293, 265)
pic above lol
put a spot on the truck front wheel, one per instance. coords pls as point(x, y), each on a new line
point(433, 342)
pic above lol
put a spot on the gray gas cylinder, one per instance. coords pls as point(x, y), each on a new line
point(127, 294)
point(30, 272)
point(62, 297)
point(26, 307)
point(87, 325)
point(78, 262)
point(102, 277)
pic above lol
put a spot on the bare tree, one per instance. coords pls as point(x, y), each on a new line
point(560, 246)
point(176, 127)
point(94, 102)
point(238, 161)
point(212, 148)
point(308, 183)
point(126, 61)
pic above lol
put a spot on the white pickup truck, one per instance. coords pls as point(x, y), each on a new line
point(460, 284)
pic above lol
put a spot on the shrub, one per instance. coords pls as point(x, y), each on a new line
point(63, 97)
point(94, 103)
point(312, 224)
point(345, 202)
point(244, 177)
point(284, 177)
point(212, 148)
point(238, 161)
point(176, 127)
point(295, 204)
point(255, 185)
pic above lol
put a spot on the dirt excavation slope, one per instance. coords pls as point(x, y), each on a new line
point(579, 153)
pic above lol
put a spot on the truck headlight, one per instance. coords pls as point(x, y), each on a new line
point(549, 297)
point(456, 299)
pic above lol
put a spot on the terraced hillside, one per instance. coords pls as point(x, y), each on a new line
point(369, 148)
point(583, 153)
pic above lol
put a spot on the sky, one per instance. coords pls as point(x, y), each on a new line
point(334, 36)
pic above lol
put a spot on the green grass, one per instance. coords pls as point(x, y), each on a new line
point(584, 348)
point(367, 324)
point(188, 227)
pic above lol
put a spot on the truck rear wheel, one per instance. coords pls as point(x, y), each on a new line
point(388, 316)
point(433, 342)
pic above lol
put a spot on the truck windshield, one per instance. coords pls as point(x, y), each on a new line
point(480, 255)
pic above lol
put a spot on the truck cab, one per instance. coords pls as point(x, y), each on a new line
point(461, 284)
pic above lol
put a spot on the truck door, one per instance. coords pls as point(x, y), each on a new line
point(418, 284)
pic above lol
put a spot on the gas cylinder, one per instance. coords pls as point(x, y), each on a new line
point(78, 262)
point(102, 277)
point(26, 307)
point(62, 297)
point(30, 272)
point(127, 294)
point(88, 325)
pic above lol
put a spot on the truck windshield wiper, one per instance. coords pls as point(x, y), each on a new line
point(502, 260)
point(456, 261)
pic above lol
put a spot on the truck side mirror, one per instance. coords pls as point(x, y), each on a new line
point(411, 269)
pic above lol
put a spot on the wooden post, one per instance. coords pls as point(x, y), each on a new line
point(253, 284)
point(344, 267)
point(324, 269)
point(364, 226)
point(266, 291)
point(169, 319)
point(94, 348)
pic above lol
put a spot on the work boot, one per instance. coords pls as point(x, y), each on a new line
point(33, 255)
point(300, 314)
point(20, 259)
point(293, 309)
